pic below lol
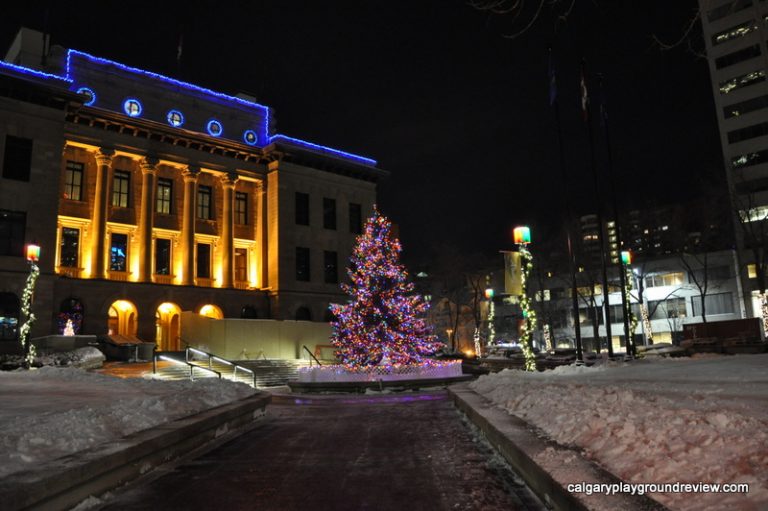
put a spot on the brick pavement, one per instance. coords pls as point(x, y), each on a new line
point(409, 451)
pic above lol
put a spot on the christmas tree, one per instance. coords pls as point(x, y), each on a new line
point(383, 324)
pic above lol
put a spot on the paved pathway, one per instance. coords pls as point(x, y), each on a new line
point(409, 451)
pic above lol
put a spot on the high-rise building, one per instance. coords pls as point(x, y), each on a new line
point(151, 196)
point(735, 34)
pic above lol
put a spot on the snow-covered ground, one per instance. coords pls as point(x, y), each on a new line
point(698, 420)
point(51, 412)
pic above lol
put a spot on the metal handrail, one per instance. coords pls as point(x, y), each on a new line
point(311, 355)
point(191, 366)
point(211, 357)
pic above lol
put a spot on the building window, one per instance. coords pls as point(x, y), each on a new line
point(303, 314)
point(665, 279)
point(718, 303)
point(727, 9)
point(241, 208)
point(13, 225)
point(331, 267)
point(754, 131)
point(203, 261)
point(752, 271)
point(118, 252)
point(214, 128)
point(355, 218)
point(749, 159)
point(17, 160)
point(132, 107)
point(10, 308)
point(73, 181)
point(302, 264)
point(121, 184)
point(204, 196)
point(329, 213)
point(302, 208)
point(241, 264)
point(69, 249)
point(737, 56)
point(162, 256)
point(738, 82)
point(175, 118)
point(734, 32)
point(164, 196)
point(744, 107)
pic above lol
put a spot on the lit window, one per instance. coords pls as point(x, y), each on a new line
point(214, 128)
point(752, 271)
point(118, 252)
point(132, 107)
point(121, 183)
point(73, 181)
point(164, 195)
point(250, 137)
point(175, 118)
point(88, 93)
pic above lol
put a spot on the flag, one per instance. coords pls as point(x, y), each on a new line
point(552, 80)
point(584, 94)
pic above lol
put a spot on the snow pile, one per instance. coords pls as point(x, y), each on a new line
point(694, 421)
point(87, 358)
point(52, 412)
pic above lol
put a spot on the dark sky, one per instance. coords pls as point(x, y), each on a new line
point(431, 89)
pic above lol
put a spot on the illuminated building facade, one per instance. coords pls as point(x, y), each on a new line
point(151, 196)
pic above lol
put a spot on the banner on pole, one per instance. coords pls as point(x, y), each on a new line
point(513, 280)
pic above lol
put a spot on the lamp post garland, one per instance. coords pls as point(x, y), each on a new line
point(626, 259)
point(522, 237)
point(33, 254)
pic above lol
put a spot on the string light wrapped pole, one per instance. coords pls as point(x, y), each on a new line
point(626, 260)
point(33, 255)
point(522, 237)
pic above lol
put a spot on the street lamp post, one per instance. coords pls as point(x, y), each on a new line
point(626, 287)
point(522, 237)
point(33, 255)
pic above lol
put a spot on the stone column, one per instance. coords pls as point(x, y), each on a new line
point(188, 225)
point(99, 217)
point(148, 172)
point(227, 230)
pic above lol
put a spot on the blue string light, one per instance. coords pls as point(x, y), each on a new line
point(324, 149)
point(88, 92)
point(33, 72)
point(264, 110)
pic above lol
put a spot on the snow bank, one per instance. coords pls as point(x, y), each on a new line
point(52, 412)
point(702, 420)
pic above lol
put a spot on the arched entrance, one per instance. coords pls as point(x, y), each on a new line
point(211, 311)
point(123, 318)
point(168, 327)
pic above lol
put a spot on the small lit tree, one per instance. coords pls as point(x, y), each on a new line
point(383, 323)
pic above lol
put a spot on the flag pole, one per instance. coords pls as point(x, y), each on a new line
point(630, 342)
point(600, 226)
point(568, 211)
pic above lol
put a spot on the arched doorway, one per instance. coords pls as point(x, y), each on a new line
point(168, 327)
point(123, 318)
point(211, 311)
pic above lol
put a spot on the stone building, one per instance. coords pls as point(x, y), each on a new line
point(151, 196)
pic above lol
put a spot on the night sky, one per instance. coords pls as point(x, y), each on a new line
point(457, 113)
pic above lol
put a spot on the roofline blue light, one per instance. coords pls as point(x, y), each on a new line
point(255, 137)
point(214, 122)
point(34, 72)
point(324, 149)
point(87, 90)
point(128, 112)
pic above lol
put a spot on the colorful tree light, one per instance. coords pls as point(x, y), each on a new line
point(383, 324)
point(33, 255)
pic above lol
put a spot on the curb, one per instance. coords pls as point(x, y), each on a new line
point(519, 444)
point(361, 386)
point(67, 481)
